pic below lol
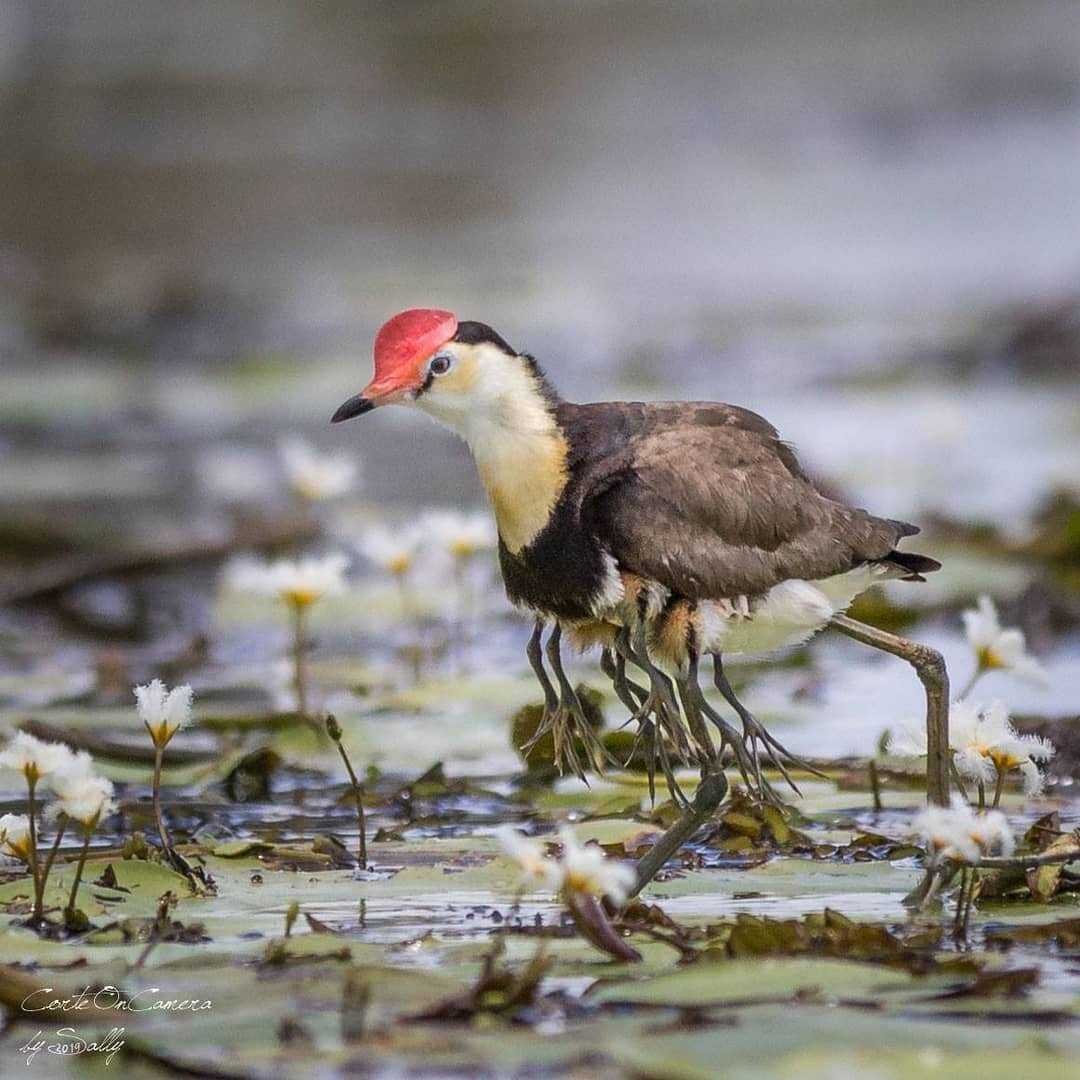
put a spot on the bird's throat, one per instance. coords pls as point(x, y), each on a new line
point(524, 472)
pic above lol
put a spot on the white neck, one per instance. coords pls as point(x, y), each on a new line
point(520, 453)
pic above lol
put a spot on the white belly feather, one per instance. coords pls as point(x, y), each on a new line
point(788, 614)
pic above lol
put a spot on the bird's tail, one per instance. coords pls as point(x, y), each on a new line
point(913, 565)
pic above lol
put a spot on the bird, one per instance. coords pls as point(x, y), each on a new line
point(663, 532)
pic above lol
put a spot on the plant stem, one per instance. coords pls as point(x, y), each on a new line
point(958, 779)
point(358, 795)
point(52, 855)
point(31, 784)
point(972, 887)
point(166, 845)
point(976, 675)
point(710, 793)
point(412, 615)
point(87, 830)
point(982, 795)
point(875, 785)
point(958, 918)
point(999, 787)
point(299, 647)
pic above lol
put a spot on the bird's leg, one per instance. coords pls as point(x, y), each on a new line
point(728, 735)
point(930, 667)
point(535, 654)
point(754, 732)
point(570, 717)
point(630, 693)
point(653, 737)
point(709, 759)
point(536, 659)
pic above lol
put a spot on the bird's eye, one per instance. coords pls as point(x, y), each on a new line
point(440, 365)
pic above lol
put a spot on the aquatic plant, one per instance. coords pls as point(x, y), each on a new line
point(35, 760)
point(988, 747)
point(584, 878)
point(985, 747)
point(997, 648)
point(83, 799)
point(299, 585)
point(164, 712)
point(314, 476)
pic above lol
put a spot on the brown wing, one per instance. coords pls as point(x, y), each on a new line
point(721, 508)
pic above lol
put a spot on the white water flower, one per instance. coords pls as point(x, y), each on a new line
point(15, 835)
point(33, 757)
point(164, 712)
point(300, 583)
point(909, 739)
point(394, 550)
point(82, 796)
point(992, 746)
point(585, 868)
point(998, 648)
point(312, 475)
point(461, 535)
point(537, 870)
point(957, 832)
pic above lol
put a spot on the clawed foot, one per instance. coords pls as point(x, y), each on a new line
point(563, 718)
point(570, 734)
point(756, 737)
point(651, 742)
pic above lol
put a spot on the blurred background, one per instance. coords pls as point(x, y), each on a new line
point(858, 218)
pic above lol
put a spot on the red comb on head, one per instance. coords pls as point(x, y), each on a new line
point(409, 336)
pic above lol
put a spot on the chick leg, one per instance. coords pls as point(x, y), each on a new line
point(728, 735)
point(654, 737)
point(755, 732)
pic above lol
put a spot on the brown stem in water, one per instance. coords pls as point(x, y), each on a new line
point(710, 793)
point(591, 919)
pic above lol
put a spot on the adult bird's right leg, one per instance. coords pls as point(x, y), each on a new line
point(929, 665)
point(656, 715)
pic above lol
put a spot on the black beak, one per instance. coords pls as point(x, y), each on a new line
point(355, 406)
